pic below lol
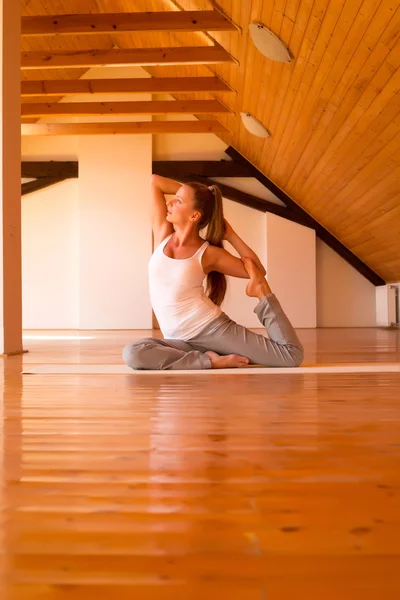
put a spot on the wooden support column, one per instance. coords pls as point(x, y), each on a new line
point(10, 192)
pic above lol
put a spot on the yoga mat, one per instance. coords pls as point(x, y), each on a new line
point(115, 369)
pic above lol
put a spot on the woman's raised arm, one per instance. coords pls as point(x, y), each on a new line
point(160, 186)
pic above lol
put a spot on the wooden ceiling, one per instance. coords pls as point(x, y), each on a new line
point(333, 112)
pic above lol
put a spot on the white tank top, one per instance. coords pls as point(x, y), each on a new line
point(177, 294)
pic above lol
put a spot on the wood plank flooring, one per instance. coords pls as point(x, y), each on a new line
point(171, 488)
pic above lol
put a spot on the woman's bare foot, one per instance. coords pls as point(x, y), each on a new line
point(257, 286)
point(227, 362)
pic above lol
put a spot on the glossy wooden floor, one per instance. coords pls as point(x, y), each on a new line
point(275, 487)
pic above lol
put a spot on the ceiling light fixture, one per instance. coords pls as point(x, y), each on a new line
point(253, 125)
point(268, 43)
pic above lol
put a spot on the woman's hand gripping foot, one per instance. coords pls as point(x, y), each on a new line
point(258, 286)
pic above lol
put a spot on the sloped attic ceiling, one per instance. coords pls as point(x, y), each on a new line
point(333, 112)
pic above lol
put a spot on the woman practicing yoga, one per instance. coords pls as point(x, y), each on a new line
point(197, 333)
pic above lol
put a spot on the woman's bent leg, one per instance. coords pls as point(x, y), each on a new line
point(284, 345)
point(159, 354)
point(283, 349)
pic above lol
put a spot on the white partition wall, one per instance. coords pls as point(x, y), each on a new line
point(114, 232)
point(87, 241)
point(291, 269)
point(250, 225)
point(50, 257)
point(345, 298)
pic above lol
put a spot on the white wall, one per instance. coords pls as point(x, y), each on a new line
point(50, 253)
point(344, 297)
point(291, 269)
point(250, 225)
point(115, 231)
point(50, 242)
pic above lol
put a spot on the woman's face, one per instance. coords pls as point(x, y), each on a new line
point(180, 210)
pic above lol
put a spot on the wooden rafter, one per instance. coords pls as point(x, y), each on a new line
point(150, 107)
point(46, 173)
point(209, 20)
point(177, 171)
point(39, 184)
point(321, 232)
point(202, 168)
point(249, 200)
point(37, 169)
point(136, 127)
point(65, 87)
point(137, 56)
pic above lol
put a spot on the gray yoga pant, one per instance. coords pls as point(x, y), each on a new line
point(281, 349)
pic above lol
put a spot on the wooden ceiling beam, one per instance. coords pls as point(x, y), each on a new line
point(136, 127)
point(202, 168)
point(177, 172)
point(249, 200)
point(320, 231)
point(39, 184)
point(152, 85)
point(58, 59)
point(144, 107)
point(207, 20)
point(48, 168)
